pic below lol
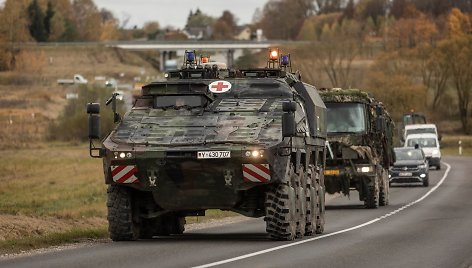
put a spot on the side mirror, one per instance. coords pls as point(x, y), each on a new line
point(289, 106)
point(379, 110)
point(380, 124)
point(93, 109)
point(288, 125)
point(94, 126)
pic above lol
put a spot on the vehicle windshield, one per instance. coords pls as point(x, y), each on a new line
point(420, 131)
point(413, 154)
point(422, 142)
point(179, 101)
point(345, 117)
point(411, 119)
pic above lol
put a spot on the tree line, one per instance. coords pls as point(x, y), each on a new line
point(419, 51)
point(411, 54)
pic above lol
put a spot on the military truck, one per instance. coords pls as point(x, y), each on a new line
point(360, 145)
point(250, 141)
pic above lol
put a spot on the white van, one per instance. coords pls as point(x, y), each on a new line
point(421, 129)
point(429, 143)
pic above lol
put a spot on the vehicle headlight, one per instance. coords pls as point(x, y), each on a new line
point(422, 166)
point(365, 169)
point(436, 152)
point(122, 155)
point(255, 153)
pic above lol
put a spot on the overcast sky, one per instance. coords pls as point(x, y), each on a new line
point(175, 12)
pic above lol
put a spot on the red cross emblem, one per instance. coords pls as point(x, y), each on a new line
point(219, 86)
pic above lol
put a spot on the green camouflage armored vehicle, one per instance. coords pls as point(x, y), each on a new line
point(360, 145)
point(249, 141)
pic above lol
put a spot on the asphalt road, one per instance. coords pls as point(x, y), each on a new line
point(422, 227)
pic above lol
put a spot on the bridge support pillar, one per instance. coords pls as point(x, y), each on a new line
point(230, 58)
point(162, 60)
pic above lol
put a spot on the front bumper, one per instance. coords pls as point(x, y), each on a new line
point(345, 178)
point(180, 180)
point(417, 176)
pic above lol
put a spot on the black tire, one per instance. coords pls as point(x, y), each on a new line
point(438, 167)
point(281, 212)
point(122, 226)
point(174, 224)
point(426, 182)
point(320, 203)
point(163, 226)
point(384, 192)
point(372, 196)
point(311, 204)
point(150, 228)
point(300, 182)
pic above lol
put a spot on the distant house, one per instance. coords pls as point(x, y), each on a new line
point(198, 33)
point(243, 33)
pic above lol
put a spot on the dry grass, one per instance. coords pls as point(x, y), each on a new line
point(54, 194)
point(54, 181)
point(450, 145)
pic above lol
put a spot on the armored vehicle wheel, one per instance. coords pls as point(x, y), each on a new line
point(174, 224)
point(162, 226)
point(301, 202)
point(372, 196)
point(281, 215)
point(150, 228)
point(122, 226)
point(311, 201)
point(320, 201)
point(384, 192)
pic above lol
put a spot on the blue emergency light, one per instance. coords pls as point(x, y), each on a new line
point(284, 60)
point(190, 55)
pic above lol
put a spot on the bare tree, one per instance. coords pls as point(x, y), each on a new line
point(434, 68)
point(335, 51)
point(459, 54)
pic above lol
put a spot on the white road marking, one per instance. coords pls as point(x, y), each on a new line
point(330, 234)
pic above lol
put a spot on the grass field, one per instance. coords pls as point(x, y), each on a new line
point(450, 145)
point(54, 194)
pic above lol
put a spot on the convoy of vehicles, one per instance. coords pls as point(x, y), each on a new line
point(411, 166)
point(259, 142)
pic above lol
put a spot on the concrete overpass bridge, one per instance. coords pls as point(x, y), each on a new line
point(223, 51)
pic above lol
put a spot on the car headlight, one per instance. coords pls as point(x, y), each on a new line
point(365, 169)
point(436, 152)
point(422, 166)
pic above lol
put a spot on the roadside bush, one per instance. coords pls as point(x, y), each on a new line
point(72, 124)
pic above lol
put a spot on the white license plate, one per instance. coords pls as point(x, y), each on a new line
point(213, 154)
point(405, 174)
